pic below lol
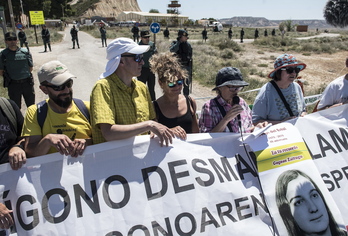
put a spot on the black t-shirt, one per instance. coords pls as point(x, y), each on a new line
point(8, 136)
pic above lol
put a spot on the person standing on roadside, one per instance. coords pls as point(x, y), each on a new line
point(135, 31)
point(16, 65)
point(183, 51)
point(46, 37)
point(147, 77)
point(121, 106)
point(22, 38)
point(241, 35)
point(102, 31)
point(204, 34)
point(74, 37)
point(166, 33)
point(256, 34)
point(230, 33)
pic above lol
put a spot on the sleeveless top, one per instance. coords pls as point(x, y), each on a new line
point(185, 121)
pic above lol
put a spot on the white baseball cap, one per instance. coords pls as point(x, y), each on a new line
point(116, 48)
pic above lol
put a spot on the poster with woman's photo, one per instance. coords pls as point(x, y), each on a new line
point(297, 197)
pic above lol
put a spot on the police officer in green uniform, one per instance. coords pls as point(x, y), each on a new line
point(16, 65)
point(183, 50)
point(147, 77)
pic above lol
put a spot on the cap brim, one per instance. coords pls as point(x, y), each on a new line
point(233, 83)
point(62, 78)
point(302, 66)
point(140, 49)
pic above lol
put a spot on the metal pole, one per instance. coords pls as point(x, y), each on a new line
point(11, 16)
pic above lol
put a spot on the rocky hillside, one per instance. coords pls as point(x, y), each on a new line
point(106, 8)
point(256, 22)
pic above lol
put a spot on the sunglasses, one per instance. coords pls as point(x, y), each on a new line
point(146, 37)
point(174, 84)
point(11, 39)
point(60, 87)
point(290, 70)
point(137, 57)
point(232, 88)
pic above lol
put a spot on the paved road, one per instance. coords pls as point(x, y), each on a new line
point(87, 63)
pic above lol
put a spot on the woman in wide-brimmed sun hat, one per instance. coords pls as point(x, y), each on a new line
point(280, 99)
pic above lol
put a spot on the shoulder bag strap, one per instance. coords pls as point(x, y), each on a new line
point(223, 113)
point(286, 104)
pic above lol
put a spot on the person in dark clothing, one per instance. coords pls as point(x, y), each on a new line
point(273, 32)
point(45, 35)
point(166, 33)
point(74, 37)
point(102, 31)
point(11, 144)
point(205, 34)
point(147, 77)
point(135, 31)
point(265, 33)
point(176, 111)
point(183, 50)
point(22, 38)
point(230, 33)
point(256, 34)
point(16, 65)
point(241, 35)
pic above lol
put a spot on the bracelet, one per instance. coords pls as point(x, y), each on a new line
point(18, 145)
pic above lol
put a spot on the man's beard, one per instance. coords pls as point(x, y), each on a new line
point(64, 103)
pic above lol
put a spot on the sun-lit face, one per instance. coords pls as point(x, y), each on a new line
point(228, 92)
point(286, 76)
point(307, 206)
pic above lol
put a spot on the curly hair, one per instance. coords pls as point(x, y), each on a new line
point(166, 67)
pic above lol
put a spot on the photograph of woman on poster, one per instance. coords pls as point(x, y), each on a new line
point(302, 206)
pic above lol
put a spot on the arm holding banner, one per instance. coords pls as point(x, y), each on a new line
point(5, 218)
point(117, 132)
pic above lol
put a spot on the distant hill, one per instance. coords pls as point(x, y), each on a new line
point(248, 21)
point(104, 8)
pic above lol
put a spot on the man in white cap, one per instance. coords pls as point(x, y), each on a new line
point(121, 105)
point(59, 123)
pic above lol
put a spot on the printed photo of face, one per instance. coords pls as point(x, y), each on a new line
point(307, 206)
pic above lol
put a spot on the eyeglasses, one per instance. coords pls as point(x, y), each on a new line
point(137, 57)
point(290, 70)
point(174, 84)
point(233, 88)
point(146, 37)
point(60, 87)
point(11, 39)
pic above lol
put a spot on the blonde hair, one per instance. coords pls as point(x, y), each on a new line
point(166, 67)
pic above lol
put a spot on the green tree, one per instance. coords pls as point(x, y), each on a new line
point(288, 25)
point(153, 11)
point(46, 7)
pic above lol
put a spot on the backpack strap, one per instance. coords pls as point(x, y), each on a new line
point(42, 109)
point(223, 113)
point(9, 111)
point(82, 107)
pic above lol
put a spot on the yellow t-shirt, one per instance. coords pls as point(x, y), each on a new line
point(112, 102)
point(72, 124)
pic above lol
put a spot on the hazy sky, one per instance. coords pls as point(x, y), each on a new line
point(270, 9)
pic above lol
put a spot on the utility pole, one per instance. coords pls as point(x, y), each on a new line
point(11, 16)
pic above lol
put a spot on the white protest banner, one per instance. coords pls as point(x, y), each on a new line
point(135, 187)
point(296, 196)
point(326, 135)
